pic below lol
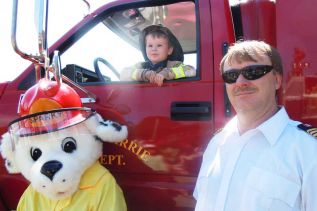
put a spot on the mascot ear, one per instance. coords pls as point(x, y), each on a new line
point(107, 131)
point(7, 153)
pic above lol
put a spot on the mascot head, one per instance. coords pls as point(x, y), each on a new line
point(53, 148)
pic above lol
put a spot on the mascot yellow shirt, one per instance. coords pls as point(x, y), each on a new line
point(98, 190)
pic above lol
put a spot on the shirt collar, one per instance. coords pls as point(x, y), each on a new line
point(271, 128)
point(231, 128)
point(274, 126)
point(232, 125)
point(91, 176)
point(89, 179)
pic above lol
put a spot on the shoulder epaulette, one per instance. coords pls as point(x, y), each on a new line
point(311, 130)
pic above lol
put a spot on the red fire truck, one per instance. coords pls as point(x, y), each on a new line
point(169, 126)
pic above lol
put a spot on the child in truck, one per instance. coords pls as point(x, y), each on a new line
point(163, 58)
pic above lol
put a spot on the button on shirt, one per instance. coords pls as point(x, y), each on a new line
point(272, 167)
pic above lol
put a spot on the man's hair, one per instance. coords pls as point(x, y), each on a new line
point(251, 50)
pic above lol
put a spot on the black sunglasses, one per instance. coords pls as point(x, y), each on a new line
point(251, 72)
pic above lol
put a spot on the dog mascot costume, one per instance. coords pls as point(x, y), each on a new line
point(56, 145)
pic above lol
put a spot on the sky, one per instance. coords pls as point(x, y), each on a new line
point(62, 16)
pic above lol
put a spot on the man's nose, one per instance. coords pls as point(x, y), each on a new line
point(241, 79)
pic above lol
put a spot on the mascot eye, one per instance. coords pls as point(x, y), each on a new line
point(35, 153)
point(69, 145)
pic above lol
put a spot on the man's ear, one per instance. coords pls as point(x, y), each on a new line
point(279, 79)
point(7, 152)
point(107, 131)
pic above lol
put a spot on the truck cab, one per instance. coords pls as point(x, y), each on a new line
point(169, 126)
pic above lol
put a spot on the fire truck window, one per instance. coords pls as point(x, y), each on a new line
point(113, 44)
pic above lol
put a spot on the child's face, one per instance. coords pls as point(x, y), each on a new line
point(157, 49)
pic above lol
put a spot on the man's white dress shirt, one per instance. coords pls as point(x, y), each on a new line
point(272, 167)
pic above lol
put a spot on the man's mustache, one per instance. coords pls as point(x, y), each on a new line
point(243, 89)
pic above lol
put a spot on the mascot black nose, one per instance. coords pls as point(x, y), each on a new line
point(50, 168)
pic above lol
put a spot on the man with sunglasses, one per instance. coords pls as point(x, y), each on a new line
point(261, 159)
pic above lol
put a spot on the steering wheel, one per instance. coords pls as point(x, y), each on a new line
point(97, 69)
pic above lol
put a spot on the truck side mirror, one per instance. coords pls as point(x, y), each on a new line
point(40, 58)
point(40, 18)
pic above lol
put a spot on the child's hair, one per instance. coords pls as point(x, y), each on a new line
point(161, 31)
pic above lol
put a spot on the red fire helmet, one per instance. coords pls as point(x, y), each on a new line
point(48, 95)
point(48, 106)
